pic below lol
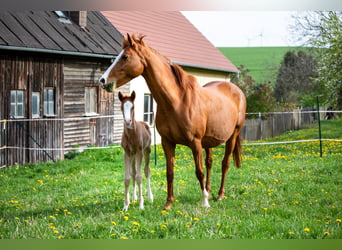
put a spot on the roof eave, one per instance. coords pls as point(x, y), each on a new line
point(206, 67)
point(59, 52)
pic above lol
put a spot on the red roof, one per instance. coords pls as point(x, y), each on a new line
point(172, 35)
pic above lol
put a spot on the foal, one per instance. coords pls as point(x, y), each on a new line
point(136, 142)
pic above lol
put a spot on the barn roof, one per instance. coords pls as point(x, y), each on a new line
point(172, 35)
point(47, 31)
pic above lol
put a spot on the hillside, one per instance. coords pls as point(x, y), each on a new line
point(263, 62)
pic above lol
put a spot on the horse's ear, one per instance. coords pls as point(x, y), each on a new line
point(133, 96)
point(120, 96)
point(130, 40)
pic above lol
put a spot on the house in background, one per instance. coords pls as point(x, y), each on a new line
point(50, 62)
point(170, 33)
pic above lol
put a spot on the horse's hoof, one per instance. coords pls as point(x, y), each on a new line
point(167, 206)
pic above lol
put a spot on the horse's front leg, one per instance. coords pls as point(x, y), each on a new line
point(169, 151)
point(197, 153)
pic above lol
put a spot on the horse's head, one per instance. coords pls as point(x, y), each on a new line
point(126, 66)
point(127, 108)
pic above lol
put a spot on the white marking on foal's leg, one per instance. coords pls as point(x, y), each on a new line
point(205, 195)
point(150, 195)
point(126, 202)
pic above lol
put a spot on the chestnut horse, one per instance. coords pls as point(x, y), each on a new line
point(187, 114)
point(136, 142)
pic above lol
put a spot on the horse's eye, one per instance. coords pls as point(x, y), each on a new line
point(124, 57)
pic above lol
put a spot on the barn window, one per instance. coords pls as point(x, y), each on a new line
point(91, 101)
point(35, 104)
point(17, 103)
point(49, 102)
point(148, 109)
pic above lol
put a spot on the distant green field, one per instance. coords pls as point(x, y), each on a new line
point(263, 62)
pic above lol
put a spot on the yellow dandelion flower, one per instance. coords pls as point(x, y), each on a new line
point(218, 224)
point(307, 229)
point(113, 223)
point(55, 232)
point(196, 219)
point(135, 223)
point(265, 208)
point(123, 238)
point(126, 217)
point(326, 233)
point(291, 233)
point(338, 220)
point(59, 237)
point(164, 212)
point(152, 231)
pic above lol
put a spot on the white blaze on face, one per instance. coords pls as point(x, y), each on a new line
point(106, 74)
point(127, 107)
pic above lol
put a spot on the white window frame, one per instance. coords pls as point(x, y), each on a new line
point(49, 102)
point(90, 100)
point(37, 113)
point(16, 103)
point(148, 109)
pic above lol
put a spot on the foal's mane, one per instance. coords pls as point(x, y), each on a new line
point(184, 80)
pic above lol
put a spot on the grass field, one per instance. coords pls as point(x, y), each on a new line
point(263, 62)
point(282, 191)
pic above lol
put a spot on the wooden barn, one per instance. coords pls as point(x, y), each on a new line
point(50, 62)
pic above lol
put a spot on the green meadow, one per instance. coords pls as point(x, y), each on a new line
point(283, 191)
point(263, 62)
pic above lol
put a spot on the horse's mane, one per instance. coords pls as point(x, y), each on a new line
point(183, 79)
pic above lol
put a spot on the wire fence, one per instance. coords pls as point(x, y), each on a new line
point(257, 127)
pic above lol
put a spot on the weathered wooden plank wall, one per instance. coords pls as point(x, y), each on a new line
point(30, 73)
point(79, 75)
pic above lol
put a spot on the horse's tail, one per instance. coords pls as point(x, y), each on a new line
point(237, 152)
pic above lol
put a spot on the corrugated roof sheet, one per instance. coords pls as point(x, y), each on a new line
point(43, 30)
point(172, 35)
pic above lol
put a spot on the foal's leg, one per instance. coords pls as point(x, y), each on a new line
point(169, 151)
point(230, 144)
point(133, 175)
point(128, 166)
point(197, 153)
point(138, 177)
point(147, 152)
point(208, 165)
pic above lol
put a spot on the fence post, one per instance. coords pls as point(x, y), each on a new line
point(319, 129)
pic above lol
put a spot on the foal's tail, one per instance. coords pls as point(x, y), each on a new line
point(237, 151)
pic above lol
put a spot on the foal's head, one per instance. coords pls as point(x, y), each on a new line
point(127, 108)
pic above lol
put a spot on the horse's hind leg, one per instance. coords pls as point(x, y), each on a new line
point(138, 178)
point(147, 152)
point(230, 144)
point(208, 165)
point(128, 166)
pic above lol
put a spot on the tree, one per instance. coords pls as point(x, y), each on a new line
point(259, 96)
point(295, 79)
point(324, 30)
